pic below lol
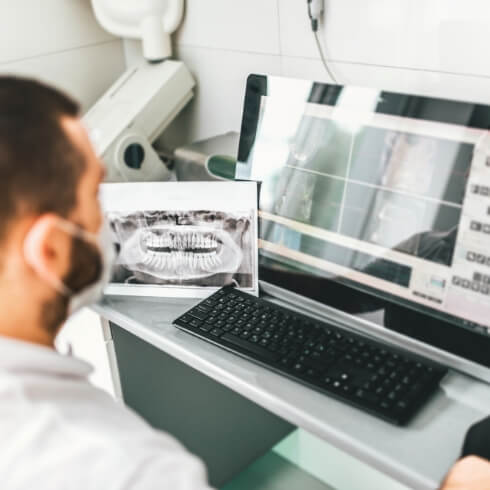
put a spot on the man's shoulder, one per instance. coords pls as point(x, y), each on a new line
point(70, 408)
point(92, 437)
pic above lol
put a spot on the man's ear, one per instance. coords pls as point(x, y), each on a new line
point(47, 249)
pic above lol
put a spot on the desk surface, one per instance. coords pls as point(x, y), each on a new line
point(418, 455)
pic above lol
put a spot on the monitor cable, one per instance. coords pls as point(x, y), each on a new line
point(315, 9)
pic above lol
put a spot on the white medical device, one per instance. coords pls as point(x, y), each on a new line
point(152, 21)
point(125, 122)
point(133, 113)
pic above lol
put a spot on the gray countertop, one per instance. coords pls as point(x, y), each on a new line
point(418, 455)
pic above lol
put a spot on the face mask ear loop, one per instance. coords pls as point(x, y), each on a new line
point(31, 253)
point(77, 231)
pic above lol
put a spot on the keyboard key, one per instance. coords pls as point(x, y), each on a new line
point(200, 315)
point(367, 396)
point(316, 365)
point(417, 387)
point(204, 308)
point(385, 405)
point(401, 405)
point(252, 348)
point(299, 368)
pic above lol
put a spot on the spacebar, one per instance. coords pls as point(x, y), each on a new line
point(248, 346)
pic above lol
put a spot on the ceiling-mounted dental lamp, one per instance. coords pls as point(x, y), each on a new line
point(152, 21)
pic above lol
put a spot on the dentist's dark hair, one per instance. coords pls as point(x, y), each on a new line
point(39, 164)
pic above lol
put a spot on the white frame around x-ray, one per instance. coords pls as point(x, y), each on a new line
point(231, 197)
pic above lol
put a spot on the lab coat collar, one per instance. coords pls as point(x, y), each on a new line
point(20, 356)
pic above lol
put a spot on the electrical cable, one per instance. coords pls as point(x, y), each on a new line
point(314, 27)
point(322, 56)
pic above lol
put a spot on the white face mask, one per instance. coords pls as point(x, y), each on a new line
point(93, 292)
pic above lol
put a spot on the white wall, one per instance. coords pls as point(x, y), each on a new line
point(60, 42)
point(434, 47)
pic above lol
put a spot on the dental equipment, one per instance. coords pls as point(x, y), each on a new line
point(134, 112)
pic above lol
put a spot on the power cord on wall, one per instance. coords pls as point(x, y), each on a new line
point(315, 9)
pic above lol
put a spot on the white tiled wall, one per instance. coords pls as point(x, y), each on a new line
point(425, 46)
point(60, 42)
point(221, 24)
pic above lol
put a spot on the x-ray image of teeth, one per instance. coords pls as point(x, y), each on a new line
point(183, 248)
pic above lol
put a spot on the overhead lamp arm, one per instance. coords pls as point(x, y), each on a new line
point(152, 21)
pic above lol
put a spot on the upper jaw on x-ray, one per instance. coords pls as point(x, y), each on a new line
point(179, 246)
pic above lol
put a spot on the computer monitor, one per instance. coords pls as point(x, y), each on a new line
point(377, 204)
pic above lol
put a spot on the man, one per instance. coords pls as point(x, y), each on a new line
point(56, 430)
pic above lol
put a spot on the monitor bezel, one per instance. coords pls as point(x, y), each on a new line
point(466, 358)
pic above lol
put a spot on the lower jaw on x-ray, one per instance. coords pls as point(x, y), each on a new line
point(170, 253)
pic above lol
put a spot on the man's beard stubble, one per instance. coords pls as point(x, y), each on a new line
point(85, 269)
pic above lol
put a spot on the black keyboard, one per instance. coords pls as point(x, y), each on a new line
point(380, 379)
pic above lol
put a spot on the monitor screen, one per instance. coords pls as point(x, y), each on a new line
point(376, 203)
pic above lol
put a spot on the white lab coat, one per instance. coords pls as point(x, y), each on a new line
point(57, 431)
